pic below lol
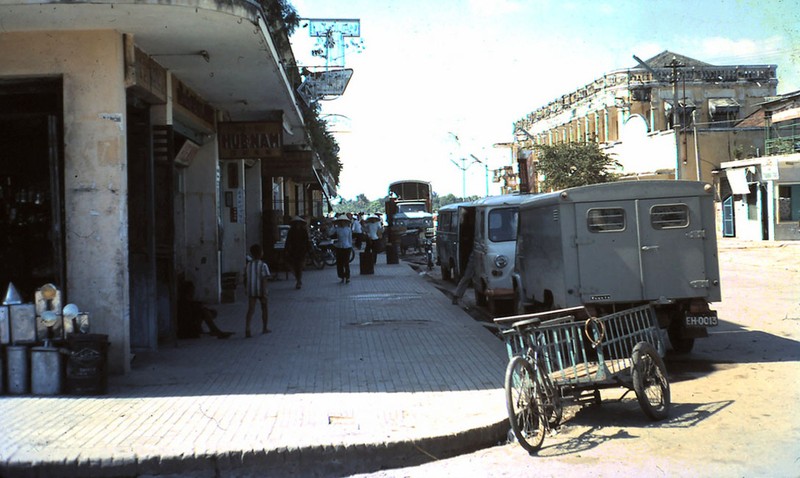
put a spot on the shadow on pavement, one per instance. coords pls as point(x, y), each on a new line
point(623, 417)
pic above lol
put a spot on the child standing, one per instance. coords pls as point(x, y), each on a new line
point(256, 274)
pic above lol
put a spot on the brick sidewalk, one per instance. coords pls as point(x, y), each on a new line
point(381, 372)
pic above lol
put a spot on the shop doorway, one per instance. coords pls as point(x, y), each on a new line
point(31, 184)
point(141, 244)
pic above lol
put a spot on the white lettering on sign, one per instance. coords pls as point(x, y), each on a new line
point(701, 321)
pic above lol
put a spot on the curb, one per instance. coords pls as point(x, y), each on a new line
point(318, 461)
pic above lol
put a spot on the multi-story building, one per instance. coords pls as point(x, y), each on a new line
point(144, 143)
point(668, 117)
point(761, 197)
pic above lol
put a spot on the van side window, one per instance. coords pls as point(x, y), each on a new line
point(669, 216)
point(443, 221)
point(606, 219)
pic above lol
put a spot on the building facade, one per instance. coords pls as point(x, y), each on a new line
point(145, 143)
point(631, 114)
point(761, 196)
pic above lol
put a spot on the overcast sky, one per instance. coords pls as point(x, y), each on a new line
point(431, 70)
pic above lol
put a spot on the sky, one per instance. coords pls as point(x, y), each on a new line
point(438, 82)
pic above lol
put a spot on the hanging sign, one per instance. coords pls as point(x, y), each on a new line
point(250, 140)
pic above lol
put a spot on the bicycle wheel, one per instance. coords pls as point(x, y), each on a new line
point(523, 410)
point(650, 381)
point(329, 257)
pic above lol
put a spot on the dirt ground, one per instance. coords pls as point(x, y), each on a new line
point(734, 398)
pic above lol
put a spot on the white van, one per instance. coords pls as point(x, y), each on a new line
point(494, 243)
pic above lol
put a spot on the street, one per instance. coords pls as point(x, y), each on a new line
point(734, 397)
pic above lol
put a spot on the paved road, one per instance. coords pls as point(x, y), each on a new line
point(734, 398)
point(381, 372)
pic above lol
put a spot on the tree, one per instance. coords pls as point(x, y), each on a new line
point(567, 165)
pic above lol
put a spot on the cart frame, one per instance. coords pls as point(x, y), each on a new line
point(562, 354)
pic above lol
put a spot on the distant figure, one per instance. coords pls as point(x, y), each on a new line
point(344, 247)
point(358, 233)
point(192, 314)
point(297, 245)
point(373, 230)
point(256, 275)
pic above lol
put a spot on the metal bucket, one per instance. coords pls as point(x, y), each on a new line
point(46, 371)
point(18, 369)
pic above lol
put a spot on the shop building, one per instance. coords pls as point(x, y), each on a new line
point(144, 143)
point(761, 196)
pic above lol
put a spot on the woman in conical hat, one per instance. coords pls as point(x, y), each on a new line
point(344, 246)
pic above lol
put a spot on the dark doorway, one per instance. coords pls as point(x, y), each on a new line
point(31, 201)
point(141, 226)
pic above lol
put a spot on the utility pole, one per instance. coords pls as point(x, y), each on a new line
point(486, 167)
point(674, 64)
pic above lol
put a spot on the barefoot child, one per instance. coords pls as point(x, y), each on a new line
point(256, 274)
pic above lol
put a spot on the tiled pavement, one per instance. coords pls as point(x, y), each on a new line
point(380, 372)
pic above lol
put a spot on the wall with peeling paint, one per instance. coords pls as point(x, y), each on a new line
point(95, 175)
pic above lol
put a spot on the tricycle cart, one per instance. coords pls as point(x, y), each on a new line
point(567, 355)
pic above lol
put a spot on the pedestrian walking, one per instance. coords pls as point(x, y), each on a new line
point(343, 233)
point(373, 230)
point(256, 275)
point(297, 246)
point(466, 278)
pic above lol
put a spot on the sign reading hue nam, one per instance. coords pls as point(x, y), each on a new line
point(250, 140)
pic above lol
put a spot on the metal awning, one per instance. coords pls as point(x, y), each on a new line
point(722, 106)
point(223, 51)
point(737, 177)
point(685, 104)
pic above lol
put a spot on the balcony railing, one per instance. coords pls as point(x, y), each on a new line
point(631, 79)
point(783, 140)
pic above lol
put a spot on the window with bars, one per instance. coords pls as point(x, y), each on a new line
point(669, 216)
point(607, 219)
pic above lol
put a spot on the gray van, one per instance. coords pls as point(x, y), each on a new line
point(494, 245)
point(617, 245)
point(454, 232)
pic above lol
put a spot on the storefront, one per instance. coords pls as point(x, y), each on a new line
point(761, 200)
point(111, 184)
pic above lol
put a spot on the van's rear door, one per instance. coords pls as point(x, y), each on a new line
point(672, 248)
point(608, 254)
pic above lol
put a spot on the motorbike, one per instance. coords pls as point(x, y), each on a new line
point(321, 251)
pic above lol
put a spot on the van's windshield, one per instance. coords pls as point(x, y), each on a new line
point(503, 224)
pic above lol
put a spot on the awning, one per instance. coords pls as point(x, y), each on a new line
point(718, 106)
point(737, 178)
point(685, 105)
